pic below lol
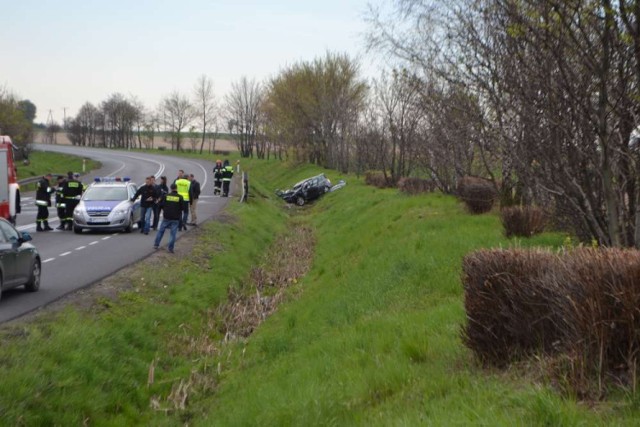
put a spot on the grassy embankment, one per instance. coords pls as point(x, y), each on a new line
point(41, 162)
point(370, 336)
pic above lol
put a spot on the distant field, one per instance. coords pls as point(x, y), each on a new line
point(222, 144)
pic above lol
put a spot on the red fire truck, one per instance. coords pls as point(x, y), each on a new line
point(9, 188)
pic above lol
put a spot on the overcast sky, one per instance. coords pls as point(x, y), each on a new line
point(63, 53)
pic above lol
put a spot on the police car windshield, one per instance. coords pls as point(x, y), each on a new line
point(106, 193)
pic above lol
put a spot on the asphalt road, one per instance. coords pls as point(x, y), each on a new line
point(71, 261)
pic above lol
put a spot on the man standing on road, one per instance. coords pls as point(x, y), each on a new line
point(227, 174)
point(72, 192)
point(43, 201)
point(183, 185)
point(172, 205)
point(194, 195)
point(217, 175)
point(60, 205)
point(148, 194)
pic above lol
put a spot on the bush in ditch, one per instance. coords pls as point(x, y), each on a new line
point(478, 194)
point(377, 179)
point(415, 186)
point(507, 306)
point(523, 221)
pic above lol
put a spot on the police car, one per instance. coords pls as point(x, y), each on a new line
point(106, 205)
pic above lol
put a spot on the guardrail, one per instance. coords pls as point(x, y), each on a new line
point(34, 179)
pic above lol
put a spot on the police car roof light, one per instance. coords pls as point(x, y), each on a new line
point(126, 179)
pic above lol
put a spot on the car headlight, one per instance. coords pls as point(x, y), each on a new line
point(77, 212)
point(120, 212)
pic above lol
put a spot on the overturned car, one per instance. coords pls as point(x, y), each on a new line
point(308, 190)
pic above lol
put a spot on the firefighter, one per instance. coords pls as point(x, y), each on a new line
point(43, 201)
point(217, 175)
point(183, 185)
point(60, 205)
point(72, 191)
point(227, 174)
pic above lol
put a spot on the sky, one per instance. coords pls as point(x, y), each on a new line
point(61, 54)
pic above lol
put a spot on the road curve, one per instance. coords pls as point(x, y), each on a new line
point(71, 261)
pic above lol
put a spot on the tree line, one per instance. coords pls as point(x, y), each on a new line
point(539, 97)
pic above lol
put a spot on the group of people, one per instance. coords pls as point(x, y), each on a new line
point(222, 174)
point(68, 192)
point(175, 201)
point(151, 195)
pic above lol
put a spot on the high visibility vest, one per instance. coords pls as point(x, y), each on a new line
point(183, 188)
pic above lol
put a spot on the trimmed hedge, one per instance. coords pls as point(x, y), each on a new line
point(478, 194)
point(523, 221)
point(414, 186)
point(580, 309)
point(378, 179)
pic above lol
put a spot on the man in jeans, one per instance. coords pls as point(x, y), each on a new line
point(148, 195)
point(172, 205)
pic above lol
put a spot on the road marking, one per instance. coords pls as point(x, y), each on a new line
point(65, 253)
point(95, 242)
point(47, 260)
point(106, 238)
point(79, 248)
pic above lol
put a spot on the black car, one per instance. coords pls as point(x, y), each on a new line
point(306, 190)
point(19, 260)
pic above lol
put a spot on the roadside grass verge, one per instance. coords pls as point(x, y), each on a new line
point(371, 335)
point(41, 162)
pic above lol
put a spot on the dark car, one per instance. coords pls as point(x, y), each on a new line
point(306, 190)
point(19, 260)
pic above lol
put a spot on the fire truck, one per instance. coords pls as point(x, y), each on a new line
point(9, 188)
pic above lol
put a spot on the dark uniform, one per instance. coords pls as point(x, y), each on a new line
point(172, 206)
point(60, 204)
point(217, 175)
point(43, 201)
point(71, 191)
point(227, 174)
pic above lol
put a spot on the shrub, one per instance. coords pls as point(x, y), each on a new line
point(377, 179)
point(599, 309)
point(507, 310)
point(416, 186)
point(578, 307)
point(523, 221)
point(478, 194)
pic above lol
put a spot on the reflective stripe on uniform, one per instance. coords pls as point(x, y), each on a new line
point(173, 199)
point(42, 203)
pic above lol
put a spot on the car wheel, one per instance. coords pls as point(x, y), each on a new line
point(34, 281)
point(77, 229)
point(300, 201)
point(129, 226)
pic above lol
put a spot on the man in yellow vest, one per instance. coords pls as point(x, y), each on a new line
point(183, 185)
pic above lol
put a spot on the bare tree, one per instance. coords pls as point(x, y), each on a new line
point(178, 113)
point(205, 104)
point(243, 110)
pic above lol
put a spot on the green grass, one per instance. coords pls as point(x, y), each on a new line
point(370, 337)
point(42, 162)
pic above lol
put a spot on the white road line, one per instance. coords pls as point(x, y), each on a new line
point(65, 253)
point(79, 248)
point(106, 238)
point(95, 242)
point(204, 183)
point(47, 260)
